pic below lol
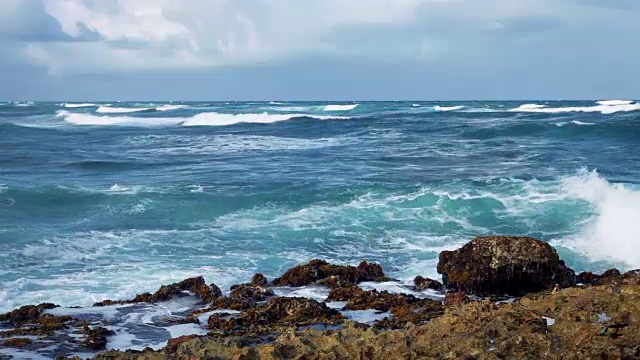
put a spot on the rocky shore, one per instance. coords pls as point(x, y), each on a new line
point(500, 298)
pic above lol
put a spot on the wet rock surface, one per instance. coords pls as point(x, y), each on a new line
point(504, 265)
point(276, 312)
point(475, 330)
point(317, 270)
point(196, 286)
point(551, 318)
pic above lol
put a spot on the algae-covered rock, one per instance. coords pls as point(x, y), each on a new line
point(504, 265)
point(317, 270)
point(196, 286)
point(422, 283)
point(279, 311)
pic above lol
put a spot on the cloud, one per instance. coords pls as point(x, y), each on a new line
point(94, 36)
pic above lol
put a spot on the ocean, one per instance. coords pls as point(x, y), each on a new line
point(106, 200)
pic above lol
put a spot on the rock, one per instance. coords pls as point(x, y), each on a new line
point(455, 299)
point(255, 292)
point(196, 286)
point(27, 313)
point(16, 342)
point(279, 311)
point(422, 283)
point(96, 338)
point(504, 265)
point(259, 279)
point(315, 270)
point(587, 278)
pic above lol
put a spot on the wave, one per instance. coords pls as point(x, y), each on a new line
point(168, 107)
point(70, 105)
point(94, 120)
point(603, 109)
point(612, 232)
point(202, 119)
point(118, 110)
point(448, 108)
point(575, 122)
point(218, 119)
point(340, 107)
point(614, 102)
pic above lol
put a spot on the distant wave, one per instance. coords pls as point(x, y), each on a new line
point(119, 110)
point(69, 105)
point(574, 122)
point(168, 107)
point(202, 119)
point(218, 119)
point(448, 108)
point(603, 109)
point(340, 107)
point(614, 102)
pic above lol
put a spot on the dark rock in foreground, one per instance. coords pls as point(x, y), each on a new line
point(504, 265)
point(422, 283)
point(317, 270)
point(276, 312)
point(560, 325)
point(196, 286)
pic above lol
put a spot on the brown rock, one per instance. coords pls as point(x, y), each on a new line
point(255, 292)
point(96, 338)
point(504, 265)
point(318, 269)
point(279, 311)
point(197, 286)
point(25, 314)
point(16, 342)
point(455, 299)
point(422, 283)
point(259, 279)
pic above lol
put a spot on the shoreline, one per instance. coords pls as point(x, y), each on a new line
point(516, 288)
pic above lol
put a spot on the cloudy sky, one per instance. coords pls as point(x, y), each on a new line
point(319, 49)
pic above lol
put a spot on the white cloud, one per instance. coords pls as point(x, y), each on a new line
point(147, 34)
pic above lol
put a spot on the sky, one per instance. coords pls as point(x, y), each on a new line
point(53, 50)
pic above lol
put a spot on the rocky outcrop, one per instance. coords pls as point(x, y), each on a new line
point(610, 277)
point(259, 279)
point(96, 338)
point(504, 265)
point(317, 270)
point(26, 314)
point(422, 283)
point(275, 313)
point(196, 286)
point(561, 325)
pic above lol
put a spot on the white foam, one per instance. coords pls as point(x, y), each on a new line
point(612, 232)
point(575, 122)
point(340, 107)
point(603, 109)
point(185, 329)
point(94, 120)
point(219, 119)
point(447, 108)
point(368, 316)
point(119, 110)
point(416, 105)
point(614, 102)
point(168, 107)
point(70, 105)
point(531, 106)
point(318, 293)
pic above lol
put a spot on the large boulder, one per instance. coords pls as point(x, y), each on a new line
point(504, 265)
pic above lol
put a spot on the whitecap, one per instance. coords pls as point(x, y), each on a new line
point(119, 110)
point(219, 119)
point(603, 109)
point(340, 107)
point(614, 102)
point(74, 105)
point(94, 120)
point(447, 108)
point(574, 122)
point(169, 107)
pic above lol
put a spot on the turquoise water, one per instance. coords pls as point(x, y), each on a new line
point(109, 200)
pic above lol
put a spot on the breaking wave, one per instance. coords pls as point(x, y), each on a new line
point(118, 110)
point(609, 107)
point(202, 119)
point(448, 108)
point(69, 105)
point(340, 107)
